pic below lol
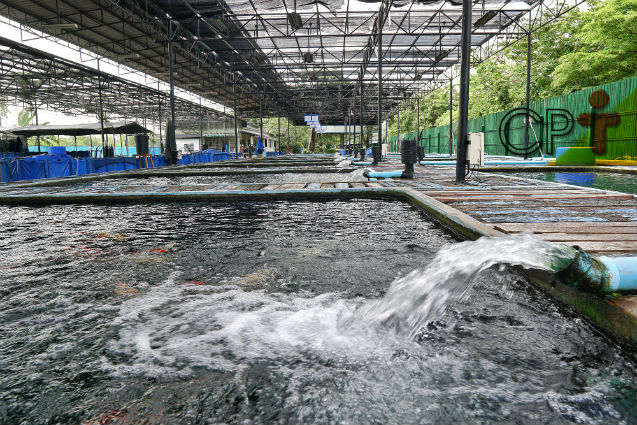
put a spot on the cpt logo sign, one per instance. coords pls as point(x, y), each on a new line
point(560, 123)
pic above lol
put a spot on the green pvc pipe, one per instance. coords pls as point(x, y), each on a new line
point(599, 276)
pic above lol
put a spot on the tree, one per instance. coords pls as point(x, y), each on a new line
point(587, 46)
point(26, 117)
point(299, 135)
point(4, 111)
point(607, 47)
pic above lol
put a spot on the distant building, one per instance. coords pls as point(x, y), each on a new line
point(188, 142)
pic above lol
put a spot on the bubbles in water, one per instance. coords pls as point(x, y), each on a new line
point(294, 335)
point(197, 326)
point(173, 329)
point(422, 295)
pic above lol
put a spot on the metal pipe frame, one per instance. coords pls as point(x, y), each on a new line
point(255, 43)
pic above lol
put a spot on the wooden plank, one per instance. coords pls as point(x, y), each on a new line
point(570, 227)
point(288, 186)
point(453, 191)
point(459, 198)
point(357, 185)
point(327, 186)
point(314, 186)
point(234, 187)
point(373, 184)
point(610, 247)
point(220, 187)
point(271, 187)
point(595, 237)
point(545, 204)
point(341, 186)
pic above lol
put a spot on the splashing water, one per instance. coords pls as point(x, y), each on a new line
point(245, 321)
point(422, 295)
point(255, 324)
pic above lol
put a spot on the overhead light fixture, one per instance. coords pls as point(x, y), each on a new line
point(485, 18)
point(417, 77)
point(308, 57)
point(62, 26)
point(295, 20)
point(440, 56)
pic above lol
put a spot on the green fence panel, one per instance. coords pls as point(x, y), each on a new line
point(603, 117)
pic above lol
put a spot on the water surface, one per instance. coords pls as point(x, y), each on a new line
point(259, 313)
point(626, 183)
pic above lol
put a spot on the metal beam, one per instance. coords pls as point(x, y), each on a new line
point(463, 111)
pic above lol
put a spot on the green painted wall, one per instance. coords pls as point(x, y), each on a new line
point(621, 140)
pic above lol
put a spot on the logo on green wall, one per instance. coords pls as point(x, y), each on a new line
point(560, 123)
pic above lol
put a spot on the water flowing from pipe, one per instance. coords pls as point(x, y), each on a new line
point(421, 296)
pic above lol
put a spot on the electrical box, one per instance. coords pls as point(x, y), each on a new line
point(475, 149)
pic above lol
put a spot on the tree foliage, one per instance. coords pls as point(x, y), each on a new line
point(299, 135)
point(607, 47)
point(26, 117)
point(588, 46)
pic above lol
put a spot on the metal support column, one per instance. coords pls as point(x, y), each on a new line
point(234, 113)
point(343, 135)
point(279, 136)
point(171, 138)
point(463, 111)
point(288, 145)
point(528, 94)
point(354, 116)
point(386, 128)
point(260, 122)
point(379, 49)
point(398, 125)
point(450, 116)
point(361, 115)
point(347, 132)
point(37, 123)
point(418, 119)
point(99, 90)
point(200, 124)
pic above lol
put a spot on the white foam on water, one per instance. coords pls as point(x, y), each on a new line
point(353, 356)
point(422, 295)
point(174, 328)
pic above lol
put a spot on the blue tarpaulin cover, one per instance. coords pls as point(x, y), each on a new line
point(5, 171)
point(81, 166)
point(59, 166)
point(30, 168)
point(45, 166)
point(259, 150)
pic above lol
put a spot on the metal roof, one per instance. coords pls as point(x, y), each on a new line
point(76, 129)
point(289, 57)
point(32, 77)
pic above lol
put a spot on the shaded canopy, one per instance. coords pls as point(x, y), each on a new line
point(76, 129)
